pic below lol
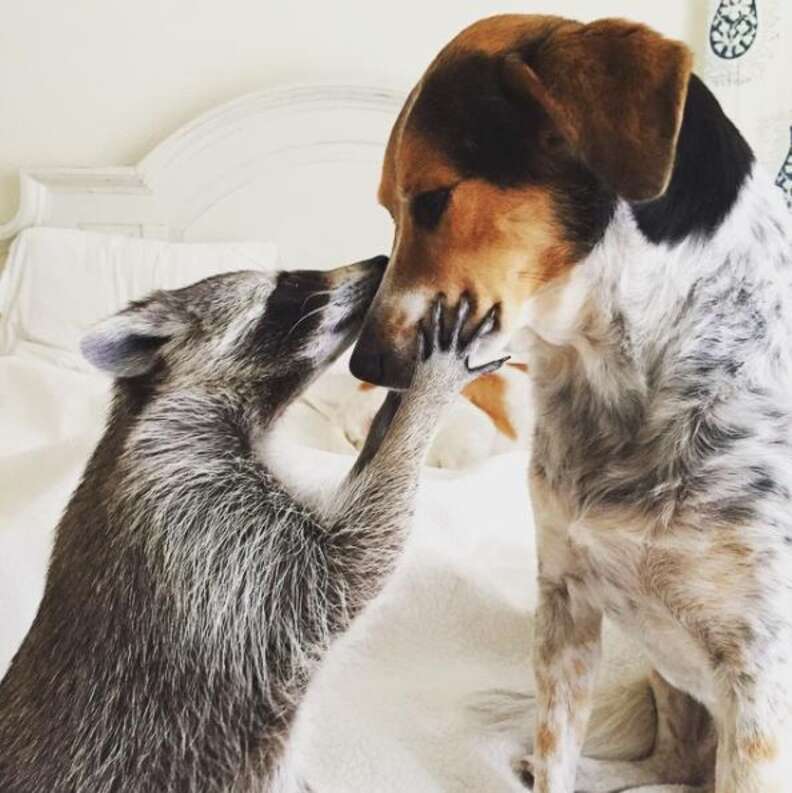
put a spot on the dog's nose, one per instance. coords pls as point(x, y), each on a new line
point(373, 362)
point(366, 365)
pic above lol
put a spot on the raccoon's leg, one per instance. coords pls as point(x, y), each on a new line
point(325, 565)
point(371, 513)
point(376, 434)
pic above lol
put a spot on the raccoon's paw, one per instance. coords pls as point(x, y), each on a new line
point(444, 354)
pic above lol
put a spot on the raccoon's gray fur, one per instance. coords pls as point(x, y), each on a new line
point(190, 593)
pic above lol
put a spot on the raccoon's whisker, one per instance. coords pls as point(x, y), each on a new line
point(303, 318)
point(312, 295)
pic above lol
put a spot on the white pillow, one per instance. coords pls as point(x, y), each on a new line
point(58, 282)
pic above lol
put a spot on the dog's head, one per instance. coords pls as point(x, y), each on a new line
point(505, 165)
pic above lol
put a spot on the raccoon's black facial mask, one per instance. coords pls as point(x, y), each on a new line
point(292, 314)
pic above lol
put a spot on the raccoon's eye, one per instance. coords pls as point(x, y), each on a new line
point(428, 207)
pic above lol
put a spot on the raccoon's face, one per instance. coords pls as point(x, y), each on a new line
point(239, 328)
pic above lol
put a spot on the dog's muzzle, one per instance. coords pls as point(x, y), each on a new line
point(374, 361)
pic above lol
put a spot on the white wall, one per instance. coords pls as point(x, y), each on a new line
point(99, 82)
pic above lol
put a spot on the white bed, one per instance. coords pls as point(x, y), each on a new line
point(294, 173)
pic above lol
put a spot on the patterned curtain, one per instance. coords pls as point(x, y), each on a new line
point(749, 66)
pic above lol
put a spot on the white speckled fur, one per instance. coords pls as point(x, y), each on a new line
point(662, 487)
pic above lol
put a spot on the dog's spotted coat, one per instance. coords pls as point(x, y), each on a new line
point(585, 182)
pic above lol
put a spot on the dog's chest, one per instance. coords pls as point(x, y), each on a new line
point(616, 568)
point(604, 499)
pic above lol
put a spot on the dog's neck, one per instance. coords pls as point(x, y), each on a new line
point(720, 226)
point(617, 311)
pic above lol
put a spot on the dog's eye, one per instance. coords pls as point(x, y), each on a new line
point(428, 207)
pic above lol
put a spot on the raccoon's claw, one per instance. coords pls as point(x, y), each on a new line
point(460, 317)
point(434, 340)
point(484, 328)
point(437, 322)
point(486, 325)
point(486, 368)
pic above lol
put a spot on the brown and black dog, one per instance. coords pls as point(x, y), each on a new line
point(502, 169)
point(580, 184)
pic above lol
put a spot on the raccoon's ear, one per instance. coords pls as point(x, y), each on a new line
point(128, 344)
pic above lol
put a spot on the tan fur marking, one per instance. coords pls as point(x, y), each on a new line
point(420, 166)
point(580, 667)
point(515, 232)
point(487, 393)
point(759, 749)
point(546, 740)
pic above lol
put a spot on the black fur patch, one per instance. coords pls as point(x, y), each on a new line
point(464, 110)
point(467, 111)
point(713, 161)
point(137, 392)
point(292, 314)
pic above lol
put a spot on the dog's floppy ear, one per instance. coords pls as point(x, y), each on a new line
point(128, 343)
point(616, 91)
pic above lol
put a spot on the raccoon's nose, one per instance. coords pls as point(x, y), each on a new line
point(377, 263)
point(373, 269)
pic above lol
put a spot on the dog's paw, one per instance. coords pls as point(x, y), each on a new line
point(591, 776)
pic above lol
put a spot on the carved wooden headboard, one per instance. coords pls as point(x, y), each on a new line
point(298, 166)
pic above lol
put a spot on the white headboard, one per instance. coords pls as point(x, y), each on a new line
point(298, 166)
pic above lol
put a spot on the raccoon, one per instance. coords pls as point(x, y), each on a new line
point(191, 592)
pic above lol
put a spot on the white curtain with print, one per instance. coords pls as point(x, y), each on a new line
point(749, 66)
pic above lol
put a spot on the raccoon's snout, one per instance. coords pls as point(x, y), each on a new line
point(355, 287)
point(361, 278)
point(317, 314)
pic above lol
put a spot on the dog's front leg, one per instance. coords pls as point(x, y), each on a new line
point(753, 756)
point(566, 649)
point(566, 654)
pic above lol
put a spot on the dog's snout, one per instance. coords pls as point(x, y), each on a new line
point(373, 362)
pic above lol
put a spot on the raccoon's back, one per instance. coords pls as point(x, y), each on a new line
point(112, 695)
point(84, 727)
